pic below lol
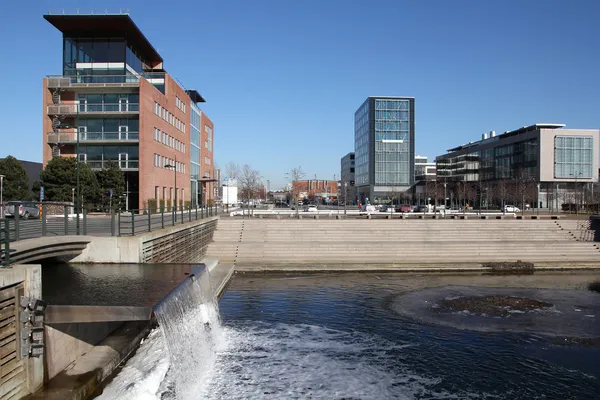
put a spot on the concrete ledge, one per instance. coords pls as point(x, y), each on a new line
point(316, 217)
point(463, 217)
point(555, 217)
point(519, 217)
point(534, 217)
point(407, 267)
point(80, 379)
point(421, 216)
point(499, 216)
point(484, 217)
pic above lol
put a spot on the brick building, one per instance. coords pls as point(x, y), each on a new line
point(115, 101)
point(316, 189)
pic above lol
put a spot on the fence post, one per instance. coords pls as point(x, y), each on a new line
point(182, 220)
point(201, 212)
point(44, 227)
point(119, 223)
point(84, 213)
point(162, 218)
point(149, 221)
point(190, 214)
point(66, 214)
point(112, 222)
point(132, 223)
point(196, 212)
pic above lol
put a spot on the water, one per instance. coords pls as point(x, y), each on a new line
point(341, 336)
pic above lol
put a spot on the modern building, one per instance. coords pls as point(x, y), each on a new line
point(423, 168)
point(543, 164)
point(347, 190)
point(114, 102)
point(202, 172)
point(384, 146)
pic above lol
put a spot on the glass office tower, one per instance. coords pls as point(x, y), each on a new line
point(384, 142)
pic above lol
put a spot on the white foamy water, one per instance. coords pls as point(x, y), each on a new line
point(263, 361)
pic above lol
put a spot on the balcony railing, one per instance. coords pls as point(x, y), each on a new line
point(83, 81)
point(105, 108)
point(71, 137)
point(123, 164)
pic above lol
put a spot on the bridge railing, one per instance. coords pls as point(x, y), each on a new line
point(147, 220)
point(4, 244)
point(63, 220)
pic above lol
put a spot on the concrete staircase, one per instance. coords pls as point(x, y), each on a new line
point(271, 242)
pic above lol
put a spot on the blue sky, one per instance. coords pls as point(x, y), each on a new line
point(283, 78)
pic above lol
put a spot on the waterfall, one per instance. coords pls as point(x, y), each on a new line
point(189, 320)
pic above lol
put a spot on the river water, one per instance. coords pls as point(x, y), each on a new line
point(347, 336)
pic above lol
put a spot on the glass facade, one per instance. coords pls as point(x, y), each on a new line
point(108, 128)
point(573, 157)
point(126, 156)
point(100, 56)
point(362, 141)
point(196, 187)
point(392, 142)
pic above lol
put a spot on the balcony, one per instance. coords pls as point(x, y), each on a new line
point(95, 137)
point(125, 165)
point(93, 81)
point(123, 108)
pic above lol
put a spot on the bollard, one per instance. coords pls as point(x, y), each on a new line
point(44, 220)
point(84, 213)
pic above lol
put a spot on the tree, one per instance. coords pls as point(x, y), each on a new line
point(233, 170)
point(59, 180)
point(295, 175)
point(16, 182)
point(111, 177)
point(249, 183)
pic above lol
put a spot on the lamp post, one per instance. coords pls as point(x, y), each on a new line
point(73, 196)
point(77, 105)
point(1, 196)
point(175, 173)
point(575, 176)
point(345, 197)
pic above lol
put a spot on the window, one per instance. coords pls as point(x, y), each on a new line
point(206, 160)
point(573, 157)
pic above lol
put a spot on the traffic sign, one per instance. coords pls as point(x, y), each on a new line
point(110, 192)
point(41, 193)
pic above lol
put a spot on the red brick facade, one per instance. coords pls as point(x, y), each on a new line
point(207, 143)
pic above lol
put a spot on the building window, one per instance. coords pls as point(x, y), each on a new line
point(206, 160)
point(573, 157)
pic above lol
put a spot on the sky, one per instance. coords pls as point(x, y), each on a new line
point(283, 78)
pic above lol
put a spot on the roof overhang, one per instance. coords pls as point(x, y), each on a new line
point(108, 25)
point(195, 96)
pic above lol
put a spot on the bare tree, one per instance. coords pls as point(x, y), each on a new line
point(233, 170)
point(249, 182)
point(295, 174)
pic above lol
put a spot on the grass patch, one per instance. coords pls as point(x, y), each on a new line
point(510, 268)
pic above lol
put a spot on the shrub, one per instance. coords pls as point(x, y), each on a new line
point(210, 202)
point(188, 205)
point(152, 205)
point(594, 286)
point(169, 205)
point(162, 205)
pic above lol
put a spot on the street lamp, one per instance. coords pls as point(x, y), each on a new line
point(174, 166)
point(575, 176)
point(73, 196)
point(1, 196)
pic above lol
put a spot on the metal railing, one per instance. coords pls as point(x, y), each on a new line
point(123, 164)
point(72, 109)
point(71, 137)
point(68, 81)
point(146, 220)
point(62, 220)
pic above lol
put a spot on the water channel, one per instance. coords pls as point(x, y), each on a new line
point(359, 336)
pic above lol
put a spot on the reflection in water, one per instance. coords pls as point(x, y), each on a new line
point(110, 284)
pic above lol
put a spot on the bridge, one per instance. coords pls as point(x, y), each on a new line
point(66, 235)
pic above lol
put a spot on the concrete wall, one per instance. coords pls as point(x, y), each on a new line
point(31, 278)
point(131, 249)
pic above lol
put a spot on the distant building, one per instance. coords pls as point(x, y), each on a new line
point(543, 164)
point(316, 189)
point(347, 183)
point(384, 146)
point(33, 170)
point(424, 169)
point(229, 192)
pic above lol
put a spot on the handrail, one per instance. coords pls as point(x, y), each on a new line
point(62, 108)
point(55, 137)
point(85, 80)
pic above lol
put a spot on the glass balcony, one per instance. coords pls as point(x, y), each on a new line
point(71, 137)
point(123, 164)
point(83, 81)
point(90, 109)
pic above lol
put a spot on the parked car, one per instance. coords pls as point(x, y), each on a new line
point(368, 208)
point(509, 208)
point(25, 209)
point(384, 208)
point(310, 208)
point(404, 208)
